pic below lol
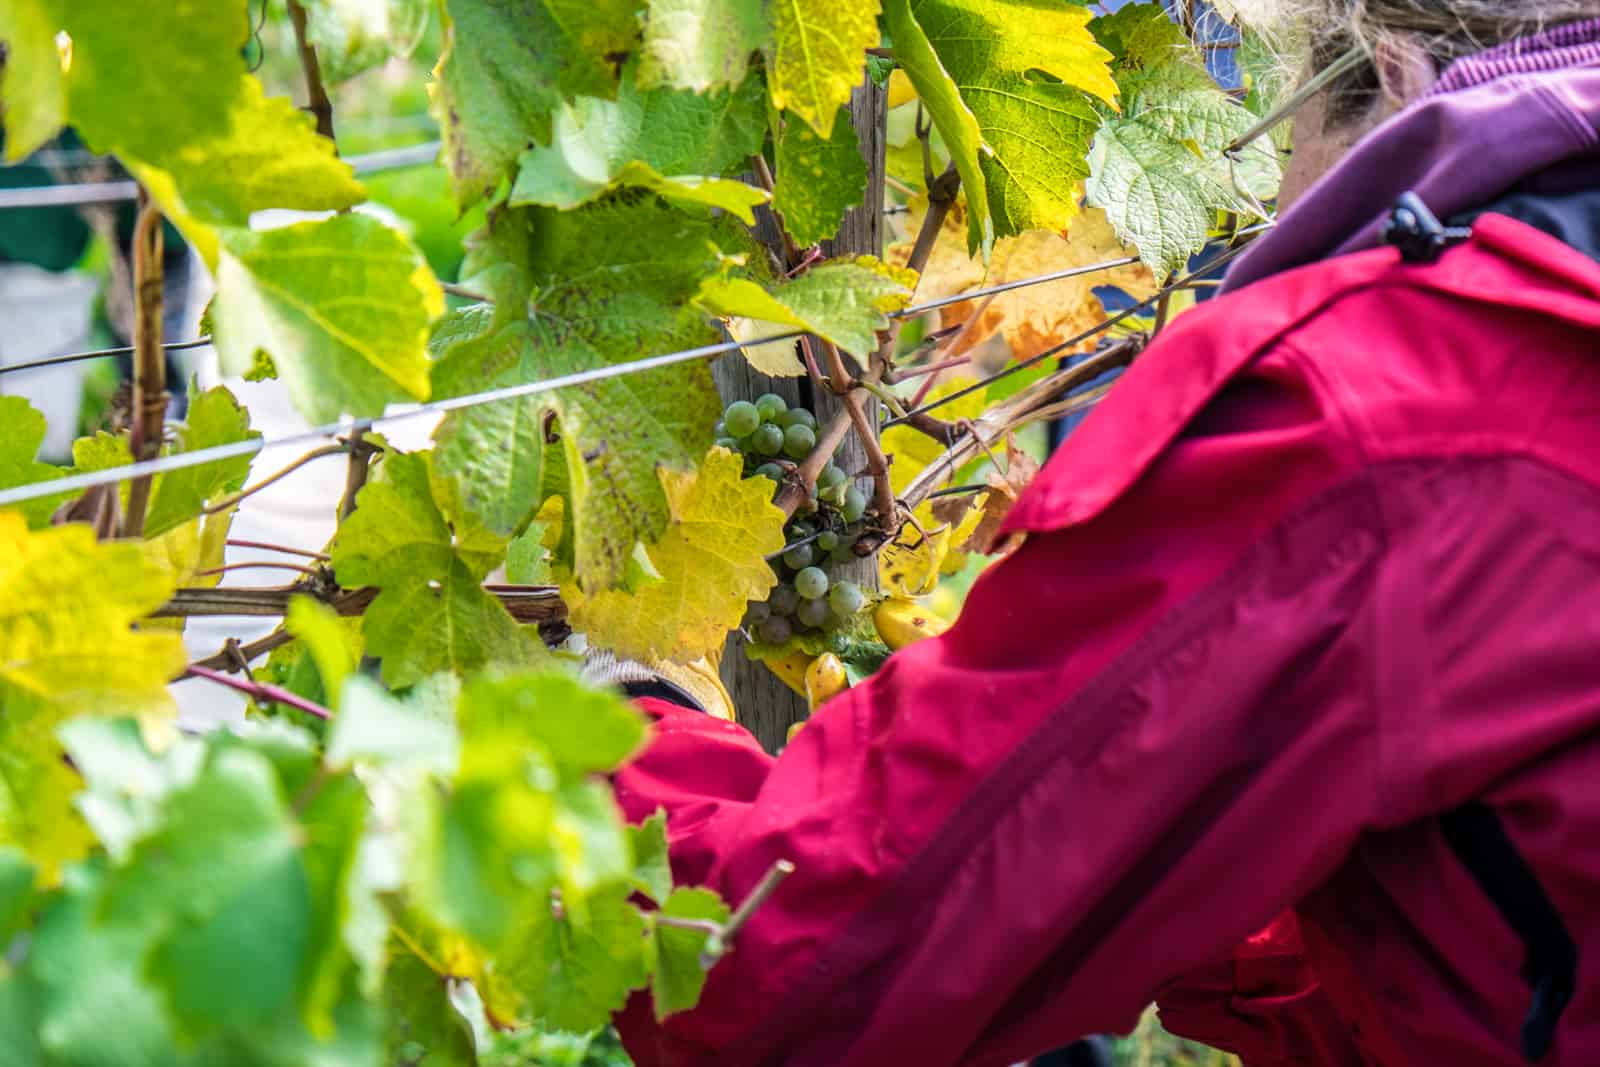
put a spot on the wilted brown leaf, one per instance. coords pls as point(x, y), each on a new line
point(1033, 318)
point(1005, 490)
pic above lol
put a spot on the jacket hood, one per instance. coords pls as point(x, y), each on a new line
point(1493, 121)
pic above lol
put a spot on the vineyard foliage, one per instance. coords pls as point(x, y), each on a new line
point(414, 832)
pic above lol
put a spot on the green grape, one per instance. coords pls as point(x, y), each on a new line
point(831, 476)
point(827, 541)
point(844, 552)
point(799, 557)
point(783, 600)
point(720, 429)
point(774, 631)
point(767, 440)
point(855, 504)
point(812, 613)
point(798, 441)
point(846, 599)
point(756, 614)
point(729, 443)
point(771, 407)
point(741, 418)
point(798, 417)
point(770, 470)
point(811, 583)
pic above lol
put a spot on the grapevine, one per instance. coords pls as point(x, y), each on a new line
point(407, 840)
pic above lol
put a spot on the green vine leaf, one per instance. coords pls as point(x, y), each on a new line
point(221, 879)
point(701, 45)
point(81, 972)
point(819, 53)
point(679, 975)
point(652, 871)
point(712, 561)
point(375, 728)
point(818, 179)
point(352, 36)
point(22, 433)
point(214, 418)
point(575, 975)
point(506, 69)
point(1029, 74)
point(333, 644)
point(598, 296)
point(424, 1027)
point(843, 301)
point(270, 157)
point(32, 84)
point(952, 118)
point(1158, 168)
point(152, 109)
point(522, 816)
point(399, 540)
point(342, 306)
point(675, 144)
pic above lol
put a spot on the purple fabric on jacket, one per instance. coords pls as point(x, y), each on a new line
point(1493, 120)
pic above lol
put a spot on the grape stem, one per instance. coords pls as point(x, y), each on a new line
point(814, 372)
point(840, 381)
point(260, 691)
point(233, 499)
point(719, 944)
point(317, 101)
point(877, 462)
point(268, 546)
point(149, 361)
point(235, 657)
point(797, 486)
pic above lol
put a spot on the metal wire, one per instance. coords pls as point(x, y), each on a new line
point(35, 196)
point(346, 426)
point(1072, 342)
point(917, 309)
point(103, 353)
point(164, 464)
point(993, 290)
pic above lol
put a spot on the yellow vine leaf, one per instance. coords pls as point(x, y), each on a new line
point(67, 647)
point(950, 269)
point(909, 565)
point(1036, 317)
point(820, 48)
point(711, 560)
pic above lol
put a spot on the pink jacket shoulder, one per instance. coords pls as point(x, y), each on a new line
point(1316, 572)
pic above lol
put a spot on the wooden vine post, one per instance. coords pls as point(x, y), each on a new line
point(766, 706)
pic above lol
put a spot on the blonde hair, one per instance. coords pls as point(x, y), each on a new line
point(1447, 30)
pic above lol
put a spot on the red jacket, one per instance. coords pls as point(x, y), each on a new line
point(1323, 567)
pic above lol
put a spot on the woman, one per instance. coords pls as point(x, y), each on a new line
point(1304, 627)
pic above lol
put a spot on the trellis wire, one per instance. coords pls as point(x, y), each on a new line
point(910, 312)
point(346, 426)
point(99, 353)
point(164, 464)
point(36, 196)
point(1072, 342)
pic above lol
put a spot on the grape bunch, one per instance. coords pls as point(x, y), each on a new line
point(773, 437)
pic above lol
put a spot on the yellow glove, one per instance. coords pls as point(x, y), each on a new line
point(701, 680)
point(698, 680)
